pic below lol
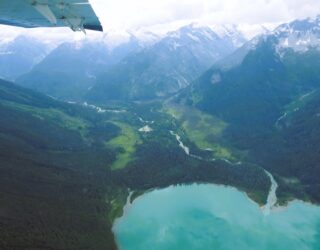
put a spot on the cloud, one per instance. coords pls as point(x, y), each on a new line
point(139, 13)
point(165, 15)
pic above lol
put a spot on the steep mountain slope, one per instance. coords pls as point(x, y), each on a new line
point(17, 57)
point(293, 149)
point(54, 177)
point(70, 70)
point(166, 67)
point(254, 95)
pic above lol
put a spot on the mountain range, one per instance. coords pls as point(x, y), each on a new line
point(71, 69)
point(267, 97)
point(154, 66)
point(19, 56)
point(166, 67)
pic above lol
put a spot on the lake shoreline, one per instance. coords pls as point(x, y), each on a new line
point(157, 206)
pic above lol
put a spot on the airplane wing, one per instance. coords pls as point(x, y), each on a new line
point(76, 14)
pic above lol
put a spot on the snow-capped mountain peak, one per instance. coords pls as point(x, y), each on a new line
point(299, 35)
point(229, 34)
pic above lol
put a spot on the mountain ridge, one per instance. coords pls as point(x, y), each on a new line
point(164, 68)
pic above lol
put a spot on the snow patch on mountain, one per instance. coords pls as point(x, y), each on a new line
point(194, 38)
point(299, 35)
point(230, 31)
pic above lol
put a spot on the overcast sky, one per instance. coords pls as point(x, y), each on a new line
point(163, 15)
point(139, 13)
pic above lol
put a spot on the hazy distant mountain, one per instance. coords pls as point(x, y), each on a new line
point(70, 70)
point(18, 56)
point(230, 33)
point(114, 38)
point(167, 66)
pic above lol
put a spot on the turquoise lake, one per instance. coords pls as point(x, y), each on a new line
point(209, 217)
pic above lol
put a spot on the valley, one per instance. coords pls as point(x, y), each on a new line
point(105, 147)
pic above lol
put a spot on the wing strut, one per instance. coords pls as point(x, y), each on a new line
point(76, 14)
point(45, 10)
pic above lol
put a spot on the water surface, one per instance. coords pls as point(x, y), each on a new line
point(210, 217)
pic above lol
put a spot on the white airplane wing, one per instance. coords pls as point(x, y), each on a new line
point(76, 14)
